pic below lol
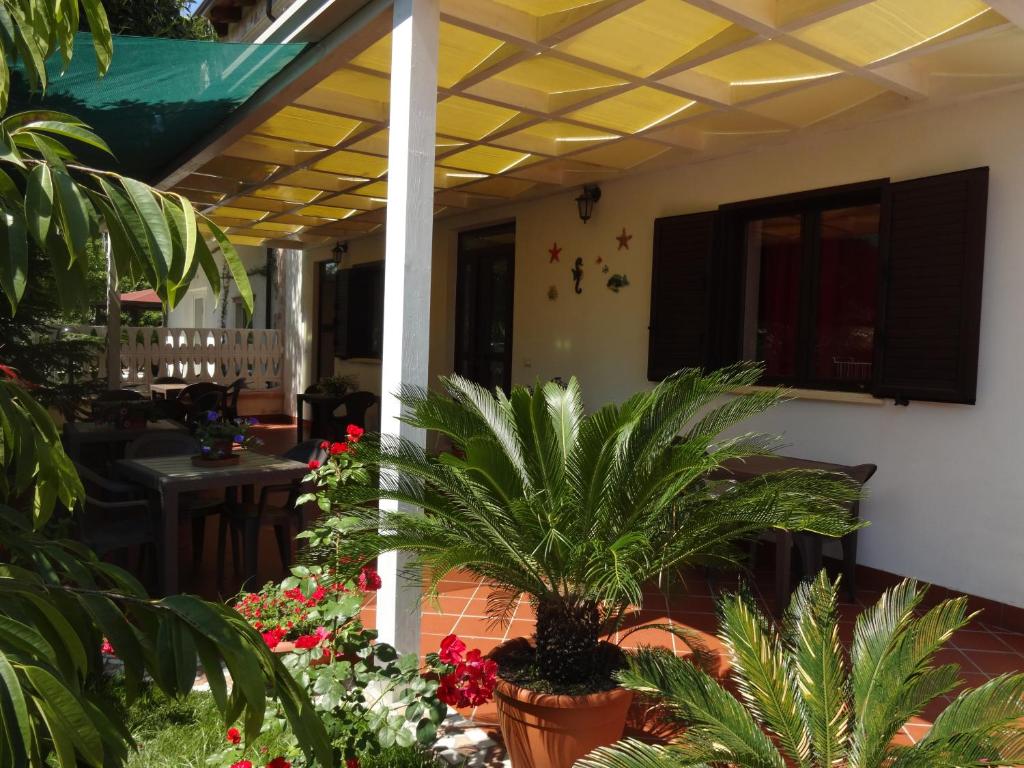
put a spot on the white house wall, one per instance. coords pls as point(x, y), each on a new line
point(947, 503)
point(184, 316)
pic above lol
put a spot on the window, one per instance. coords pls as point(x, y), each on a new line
point(871, 287)
point(359, 311)
point(811, 291)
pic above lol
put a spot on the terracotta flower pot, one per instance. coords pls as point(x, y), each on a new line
point(543, 730)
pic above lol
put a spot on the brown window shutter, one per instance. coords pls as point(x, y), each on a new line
point(680, 293)
point(933, 252)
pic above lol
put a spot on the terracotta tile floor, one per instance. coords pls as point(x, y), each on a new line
point(981, 651)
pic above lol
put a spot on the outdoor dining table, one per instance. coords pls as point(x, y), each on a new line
point(169, 476)
point(166, 391)
point(751, 467)
point(77, 434)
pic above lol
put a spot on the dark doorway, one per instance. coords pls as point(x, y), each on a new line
point(327, 280)
point(484, 302)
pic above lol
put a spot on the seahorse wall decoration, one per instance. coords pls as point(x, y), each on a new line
point(577, 275)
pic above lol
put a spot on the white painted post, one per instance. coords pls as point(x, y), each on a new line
point(113, 321)
point(410, 222)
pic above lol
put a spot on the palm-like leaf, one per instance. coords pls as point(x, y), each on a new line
point(576, 508)
point(797, 689)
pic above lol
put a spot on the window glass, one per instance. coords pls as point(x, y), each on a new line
point(847, 282)
point(774, 255)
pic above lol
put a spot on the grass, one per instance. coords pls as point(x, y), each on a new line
point(184, 733)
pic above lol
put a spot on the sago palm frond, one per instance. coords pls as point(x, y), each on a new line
point(819, 665)
point(763, 675)
point(798, 691)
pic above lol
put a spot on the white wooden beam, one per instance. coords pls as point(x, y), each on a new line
point(407, 260)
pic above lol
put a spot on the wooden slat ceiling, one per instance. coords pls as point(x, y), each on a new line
point(535, 95)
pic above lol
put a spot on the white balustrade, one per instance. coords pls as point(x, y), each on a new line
point(195, 354)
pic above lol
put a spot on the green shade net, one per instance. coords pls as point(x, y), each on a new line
point(159, 98)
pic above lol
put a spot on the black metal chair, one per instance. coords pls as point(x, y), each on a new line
point(105, 489)
point(199, 398)
point(244, 521)
point(356, 406)
point(116, 527)
point(195, 506)
point(231, 394)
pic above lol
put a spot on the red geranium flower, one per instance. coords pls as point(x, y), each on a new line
point(354, 432)
point(273, 637)
point(337, 448)
point(106, 648)
point(324, 445)
point(451, 650)
point(234, 736)
point(242, 764)
point(279, 762)
point(352, 762)
point(314, 464)
point(369, 579)
point(307, 641)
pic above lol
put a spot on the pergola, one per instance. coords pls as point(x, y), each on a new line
point(431, 107)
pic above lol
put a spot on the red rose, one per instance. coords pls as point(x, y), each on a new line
point(234, 736)
point(279, 762)
point(353, 432)
point(314, 464)
point(369, 579)
point(451, 650)
point(307, 641)
point(337, 448)
point(242, 764)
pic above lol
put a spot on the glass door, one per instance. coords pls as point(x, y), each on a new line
point(484, 304)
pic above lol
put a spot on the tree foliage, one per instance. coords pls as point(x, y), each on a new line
point(56, 599)
point(805, 702)
point(157, 18)
point(63, 206)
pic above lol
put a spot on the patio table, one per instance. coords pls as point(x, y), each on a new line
point(755, 466)
point(77, 434)
point(169, 476)
point(166, 391)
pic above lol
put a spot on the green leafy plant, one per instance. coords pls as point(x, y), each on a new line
point(579, 511)
point(804, 702)
point(217, 435)
point(57, 602)
point(369, 697)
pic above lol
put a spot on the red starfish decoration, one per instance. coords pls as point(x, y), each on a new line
point(554, 250)
point(623, 240)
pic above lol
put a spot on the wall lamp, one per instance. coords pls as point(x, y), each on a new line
point(585, 202)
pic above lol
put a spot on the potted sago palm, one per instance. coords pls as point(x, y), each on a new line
point(579, 511)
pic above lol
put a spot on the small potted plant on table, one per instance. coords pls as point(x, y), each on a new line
point(218, 437)
point(578, 512)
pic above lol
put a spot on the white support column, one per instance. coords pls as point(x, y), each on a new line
point(410, 221)
point(113, 321)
